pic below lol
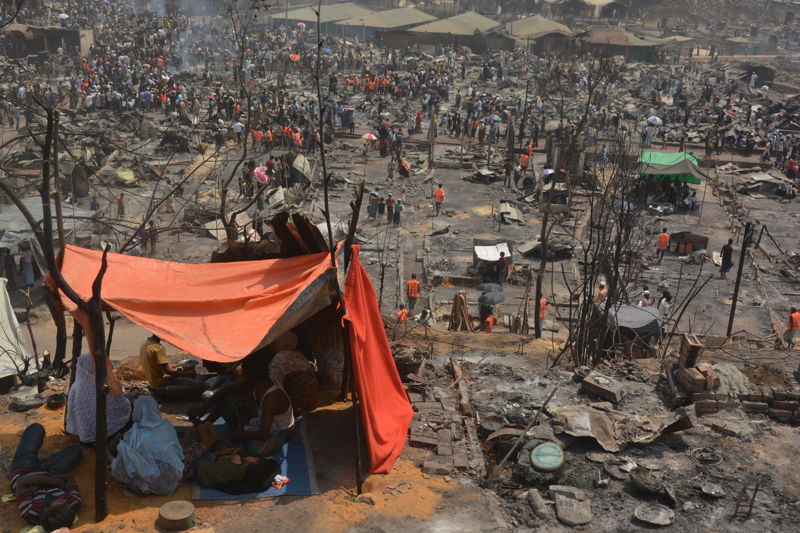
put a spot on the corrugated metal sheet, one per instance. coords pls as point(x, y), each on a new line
point(463, 24)
point(612, 36)
point(328, 13)
point(391, 18)
point(535, 26)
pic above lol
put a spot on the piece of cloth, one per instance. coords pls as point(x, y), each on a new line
point(207, 310)
point(26, 463)
point(149, 457)
point(385, 409)
point(212, 473)
point(81, 405)
point(152, 355)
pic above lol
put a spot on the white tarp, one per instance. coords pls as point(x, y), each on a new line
point(217, 229)
point(12, 344)
point(492, 253)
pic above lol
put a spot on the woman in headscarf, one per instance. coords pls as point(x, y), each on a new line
point(81, 403)
point(149, 457)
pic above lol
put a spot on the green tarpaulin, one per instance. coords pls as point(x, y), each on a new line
point(665, 158)
point(662, 165)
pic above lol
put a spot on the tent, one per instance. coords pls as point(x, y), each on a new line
point(13, 350)
point(662, 165)
point(225, 311)
point(644, 321)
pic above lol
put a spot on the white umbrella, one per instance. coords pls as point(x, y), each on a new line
point(655, 121)
point(63, 16)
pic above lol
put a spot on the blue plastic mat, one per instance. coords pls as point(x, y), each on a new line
point(296, 464)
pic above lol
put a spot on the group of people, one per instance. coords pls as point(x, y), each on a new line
point(148, 456)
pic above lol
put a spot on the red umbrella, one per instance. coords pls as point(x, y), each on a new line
point(369, 137)
point(729, 112)
point(301, 24)
point(294, 57)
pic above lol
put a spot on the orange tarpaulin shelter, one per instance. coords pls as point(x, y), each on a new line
point(225, 311)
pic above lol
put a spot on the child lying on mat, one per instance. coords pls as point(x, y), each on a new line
point(215, 463)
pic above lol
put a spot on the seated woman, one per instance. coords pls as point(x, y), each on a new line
point(81, 403)
point(149, 457)
point(214, 463)
point(256, 408)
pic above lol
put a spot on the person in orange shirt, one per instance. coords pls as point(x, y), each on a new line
point(793, 328)
point(412, 292)
point(402, 314)
point(523, 163)
point(257, 136)
point(438, 200)
point(662, 244)
point(488, 324)
point(269, 136)
point(542, 308)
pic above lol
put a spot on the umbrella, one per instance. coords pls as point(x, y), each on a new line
point(548, 171)
point(294, 57)
point(260, 173)
point(301, 24)
point(63, 16)
point(624, 206)
point(494, 117)
point(654, 120)
point(491, 298)
point(490, 287)
point(729, 112)
point(327, 51)
point(369, 137)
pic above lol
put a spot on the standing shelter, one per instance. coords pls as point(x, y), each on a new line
point(224, 312)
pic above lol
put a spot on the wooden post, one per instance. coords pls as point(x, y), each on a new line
point(57, 184)
point(747, 231)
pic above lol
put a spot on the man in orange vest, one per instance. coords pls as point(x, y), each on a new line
point(662, 244)
point(412, 292)
point(792, 329)
point(488, 324)
point(523, 162)
point(438, 200)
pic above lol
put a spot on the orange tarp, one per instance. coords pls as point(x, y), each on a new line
point(385, 409)
point(223, 311)
point(214, 311)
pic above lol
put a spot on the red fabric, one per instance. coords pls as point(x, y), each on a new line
point(385, 409)
point(214, 311)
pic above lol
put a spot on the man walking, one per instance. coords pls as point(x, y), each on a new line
point(390, 203)
point(662, 244)
point(792, 328)
point(502, 268)
point(438, 200)
point(727, 259)
point(121, 206)
point(412, 292)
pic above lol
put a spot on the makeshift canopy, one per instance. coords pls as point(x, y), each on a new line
point(643, 320)
point(224, 311)
point(662, 165)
